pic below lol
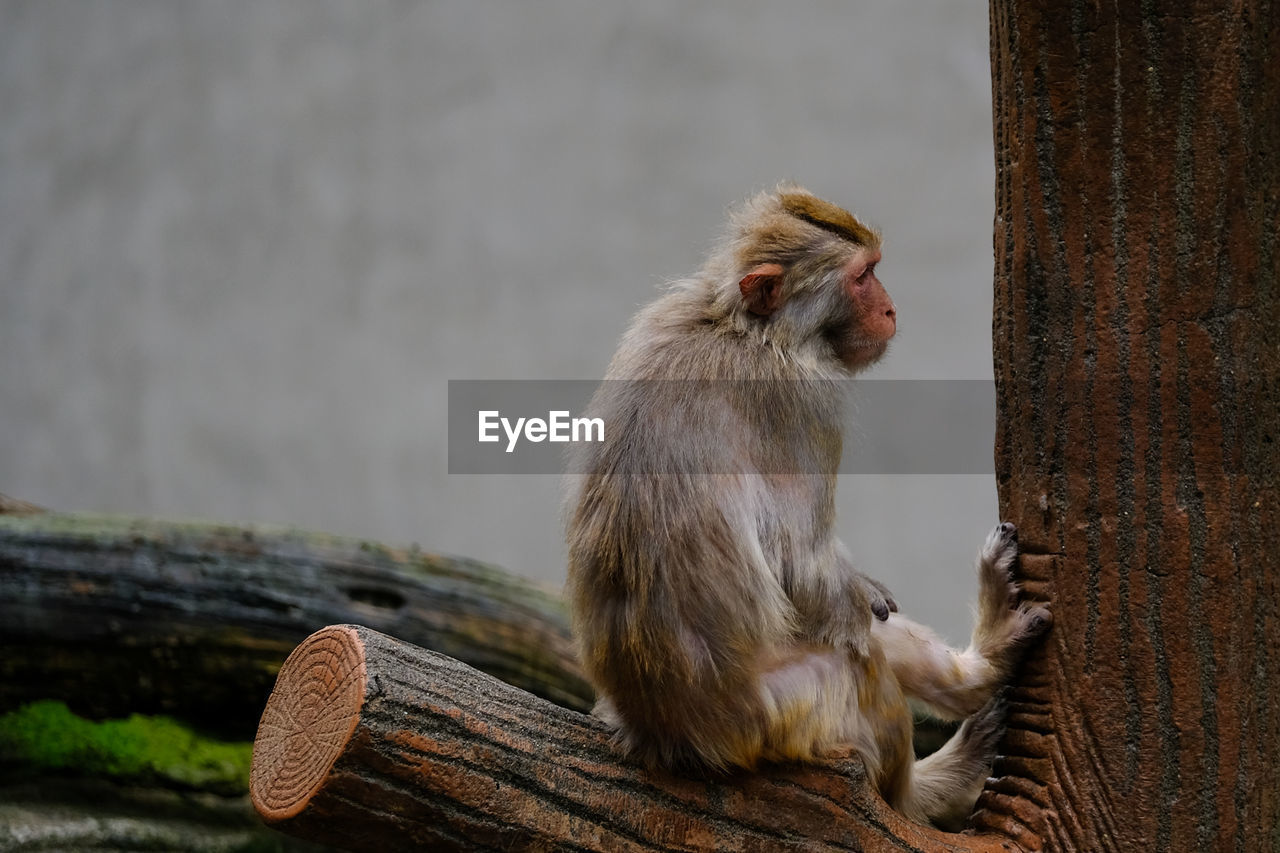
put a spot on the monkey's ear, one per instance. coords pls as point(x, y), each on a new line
point(762, 289)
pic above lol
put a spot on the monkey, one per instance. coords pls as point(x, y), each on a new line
point(718, 616)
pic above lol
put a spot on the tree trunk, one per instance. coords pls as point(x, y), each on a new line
point(1137, 344)
point(120, 615)
point(373, 744)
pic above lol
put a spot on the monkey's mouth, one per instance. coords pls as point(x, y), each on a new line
point(852, 349)
point(861, 353)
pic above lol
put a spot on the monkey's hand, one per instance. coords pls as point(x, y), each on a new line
point(882, 602)
point(1007, 622)
point(837, 602)
point(863, 588)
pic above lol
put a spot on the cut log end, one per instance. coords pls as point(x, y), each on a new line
point(308, 720)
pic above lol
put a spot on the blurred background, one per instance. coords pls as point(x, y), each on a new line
point(244, 246)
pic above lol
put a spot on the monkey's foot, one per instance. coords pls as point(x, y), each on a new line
point(981, 732)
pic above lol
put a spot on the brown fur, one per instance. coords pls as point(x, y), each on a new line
point(826, 215)
point(719, 617)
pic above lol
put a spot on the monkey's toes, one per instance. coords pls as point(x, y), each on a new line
point(983, 730)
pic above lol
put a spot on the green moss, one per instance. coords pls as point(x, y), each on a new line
point(47, 736)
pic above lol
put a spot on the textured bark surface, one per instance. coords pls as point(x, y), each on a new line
point(1137, 342)
point(373, 744)
point(123, 615)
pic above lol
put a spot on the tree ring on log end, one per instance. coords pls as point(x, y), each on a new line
point(310, 716)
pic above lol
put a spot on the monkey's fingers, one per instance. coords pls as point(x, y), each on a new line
point(882, 602)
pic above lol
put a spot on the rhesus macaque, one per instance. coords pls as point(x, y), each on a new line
point(718, 615)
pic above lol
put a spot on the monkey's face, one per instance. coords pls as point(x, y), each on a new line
point(872, 318)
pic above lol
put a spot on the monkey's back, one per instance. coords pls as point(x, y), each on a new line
point(675, 601)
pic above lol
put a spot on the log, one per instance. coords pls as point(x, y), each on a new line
point(371, 743)
point(123, 615)
point(14, 506)
point(52, 814)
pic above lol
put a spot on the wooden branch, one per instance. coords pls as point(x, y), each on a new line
point(121, 615)
point(372, 744)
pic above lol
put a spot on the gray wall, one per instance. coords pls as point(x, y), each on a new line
point(243, 246)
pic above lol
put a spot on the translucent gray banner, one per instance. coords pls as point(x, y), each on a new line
point(891, 426)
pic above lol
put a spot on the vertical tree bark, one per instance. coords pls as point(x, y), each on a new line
point(1137, 344)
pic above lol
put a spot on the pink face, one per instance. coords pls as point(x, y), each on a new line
point(874, 318)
